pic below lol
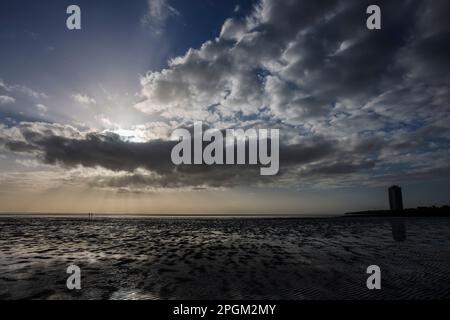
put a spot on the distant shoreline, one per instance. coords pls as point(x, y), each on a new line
point(443, 211)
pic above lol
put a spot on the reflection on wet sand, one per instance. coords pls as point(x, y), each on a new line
point(398, 230)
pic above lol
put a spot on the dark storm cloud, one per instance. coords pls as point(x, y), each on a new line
point(312, 157)
point(105, 150)
point(109, 151)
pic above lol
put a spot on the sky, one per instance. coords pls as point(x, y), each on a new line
point(86, 115)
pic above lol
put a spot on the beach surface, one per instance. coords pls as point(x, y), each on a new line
point(224, 258)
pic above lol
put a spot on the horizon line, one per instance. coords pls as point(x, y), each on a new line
point(82, 214)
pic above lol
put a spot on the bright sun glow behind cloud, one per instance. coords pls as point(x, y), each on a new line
point(131, 135)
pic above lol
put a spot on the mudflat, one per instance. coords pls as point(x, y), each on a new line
point(229, 258)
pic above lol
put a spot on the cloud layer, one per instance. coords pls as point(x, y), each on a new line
point(354, 106)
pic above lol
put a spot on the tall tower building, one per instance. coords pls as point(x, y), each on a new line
point(395, 198)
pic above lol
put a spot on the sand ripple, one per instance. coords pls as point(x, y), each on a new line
point(123, 258)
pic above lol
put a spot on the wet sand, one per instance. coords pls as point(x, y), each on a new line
point(213, 258)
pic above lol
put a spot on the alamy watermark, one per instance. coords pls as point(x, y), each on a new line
point(74, 280)
point(374, 280)
point(230, 150)
point(73, 21)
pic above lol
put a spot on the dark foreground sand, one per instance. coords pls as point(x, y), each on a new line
point(149, 258)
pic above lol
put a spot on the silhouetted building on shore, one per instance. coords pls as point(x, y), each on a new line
point(395, 198)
